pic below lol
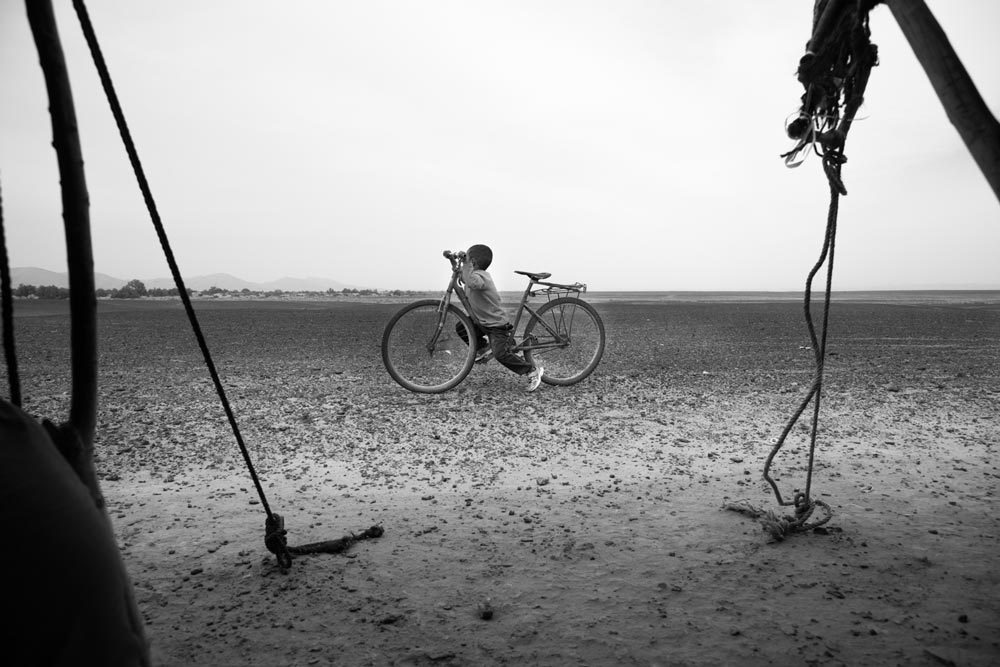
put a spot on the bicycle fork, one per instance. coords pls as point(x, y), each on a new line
point(442, 313)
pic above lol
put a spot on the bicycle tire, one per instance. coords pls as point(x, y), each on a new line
point(580, 324)
point(412, 363)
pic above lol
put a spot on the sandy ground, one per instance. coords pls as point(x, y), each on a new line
point(590, 520)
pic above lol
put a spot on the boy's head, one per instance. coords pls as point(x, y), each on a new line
point(481, 255)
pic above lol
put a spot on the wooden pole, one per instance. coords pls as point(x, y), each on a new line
point(76, 438)
point(962, 102)
point(76, 220)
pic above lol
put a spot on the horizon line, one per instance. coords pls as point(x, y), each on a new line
point(958, 287)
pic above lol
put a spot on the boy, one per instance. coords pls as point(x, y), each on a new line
point(484, 300)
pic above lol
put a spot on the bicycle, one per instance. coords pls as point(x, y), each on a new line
point(424, 345)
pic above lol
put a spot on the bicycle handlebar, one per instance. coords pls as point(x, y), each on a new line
point(456, 258)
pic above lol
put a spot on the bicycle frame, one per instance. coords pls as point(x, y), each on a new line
point(549, 289)
point(424, 354)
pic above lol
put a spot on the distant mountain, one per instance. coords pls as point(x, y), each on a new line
point(31, 275)
point(40, 277)
point(229, 282)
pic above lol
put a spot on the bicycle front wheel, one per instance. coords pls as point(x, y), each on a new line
point(424, 350)
point(567, 338)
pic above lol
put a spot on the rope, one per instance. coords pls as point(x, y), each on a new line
point(802, 501)
point(780, 527)
point(834, 72)
point(7, 305)
point(274, 538)
point(338, 545)
point(275, 544)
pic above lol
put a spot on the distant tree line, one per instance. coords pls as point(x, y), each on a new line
point(347, 291)
point(135, 289)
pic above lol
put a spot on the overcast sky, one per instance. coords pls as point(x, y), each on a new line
point(631, 145)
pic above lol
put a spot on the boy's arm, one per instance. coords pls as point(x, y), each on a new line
point(471, 279)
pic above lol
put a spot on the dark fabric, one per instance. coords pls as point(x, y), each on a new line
point(66, 587)
point(482, 342)
point(501, 341)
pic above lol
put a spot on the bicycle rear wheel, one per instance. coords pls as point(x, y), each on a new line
point(424, 357)
point(567, 338)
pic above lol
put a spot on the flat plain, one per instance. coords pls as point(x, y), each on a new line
point(590, 519)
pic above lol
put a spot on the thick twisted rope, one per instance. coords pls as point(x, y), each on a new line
point(338, 545)
point(276, 544)
point(835, 73)
point(274, 525)
point(802, 501)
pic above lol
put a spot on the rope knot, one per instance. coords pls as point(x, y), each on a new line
point(275, 541)
point(831, 165)
point(833, 142)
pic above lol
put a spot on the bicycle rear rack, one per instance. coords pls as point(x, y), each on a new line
point(555, 290)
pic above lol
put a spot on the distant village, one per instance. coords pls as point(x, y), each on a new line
point(135, 289)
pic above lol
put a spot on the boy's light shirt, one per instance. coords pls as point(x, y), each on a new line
point(483, 297)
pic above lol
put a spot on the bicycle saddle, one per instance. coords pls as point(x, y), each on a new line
point(535, 276)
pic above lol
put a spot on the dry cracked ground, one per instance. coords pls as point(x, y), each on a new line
point(581, 525)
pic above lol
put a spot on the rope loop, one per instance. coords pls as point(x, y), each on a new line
point(780, 527)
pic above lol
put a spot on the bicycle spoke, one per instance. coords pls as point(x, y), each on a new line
point(566, 336)
point(422, 357)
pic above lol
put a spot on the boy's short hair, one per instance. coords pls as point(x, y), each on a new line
point(482, 255)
